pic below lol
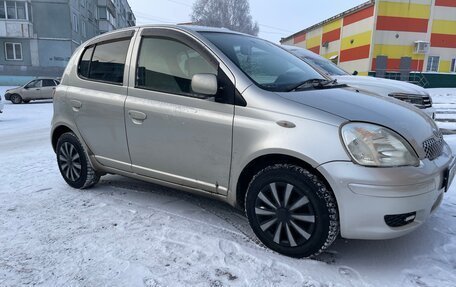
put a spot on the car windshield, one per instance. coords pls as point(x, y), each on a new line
point(327, 66)
point(270, 67)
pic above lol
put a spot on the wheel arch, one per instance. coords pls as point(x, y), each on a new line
point(260, 162)
point(57, 132)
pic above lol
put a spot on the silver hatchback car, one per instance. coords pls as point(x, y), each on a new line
point(37, 89)
point(237, 118)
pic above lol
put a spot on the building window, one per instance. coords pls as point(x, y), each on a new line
point(2, 10)
point(13, 51)
point(13, 10)
point(433, 64)
point(75, 22)
point(453, 66)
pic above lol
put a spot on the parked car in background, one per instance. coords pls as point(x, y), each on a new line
point(400, 90)
point(237, 118)
point(37, 89)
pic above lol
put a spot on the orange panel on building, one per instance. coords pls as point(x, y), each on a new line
point(331, 36)
point(443, 40)
point(315, 49)
point(448, 3)
point(395, 64)
point(358, 16)
point(357, 53)
point(387, 23)
point(299, 38)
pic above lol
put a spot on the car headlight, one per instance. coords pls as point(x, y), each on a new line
point(373, 145)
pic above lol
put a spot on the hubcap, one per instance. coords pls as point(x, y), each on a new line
point(70, 161)
point(285, 214)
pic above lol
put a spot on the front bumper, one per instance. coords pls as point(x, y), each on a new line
point(366, 196)
point(7, 97)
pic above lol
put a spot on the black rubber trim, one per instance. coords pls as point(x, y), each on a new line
point(116, 36)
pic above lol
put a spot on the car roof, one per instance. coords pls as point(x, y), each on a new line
point(130, 30)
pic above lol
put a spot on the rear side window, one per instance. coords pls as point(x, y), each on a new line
point(48, 83)
point(167, 65)
point(105, 62)
point(84, 64)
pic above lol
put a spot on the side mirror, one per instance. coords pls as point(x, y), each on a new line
point(355, 73)
point(205, 84)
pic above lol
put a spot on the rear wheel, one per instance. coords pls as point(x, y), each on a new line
point(73, 162)
point(16, 99)
point(292, 211)
point(26, 101)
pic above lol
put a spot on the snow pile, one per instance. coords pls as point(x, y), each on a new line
point(444, 100)
point(125, 232)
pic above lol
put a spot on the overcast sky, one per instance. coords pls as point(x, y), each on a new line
point(277, 19)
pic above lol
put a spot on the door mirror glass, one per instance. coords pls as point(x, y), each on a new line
point(204, 84)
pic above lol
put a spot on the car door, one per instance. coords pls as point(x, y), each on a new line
point(32, 91)
point(47, 89)
point(97, 96)
point(173, 134)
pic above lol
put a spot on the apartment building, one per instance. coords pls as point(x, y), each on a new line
point(38, 37)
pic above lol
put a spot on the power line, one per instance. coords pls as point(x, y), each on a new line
point(275, 28)
point(180, 3)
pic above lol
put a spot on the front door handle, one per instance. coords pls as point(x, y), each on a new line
point(76, 105)
point(137, 117)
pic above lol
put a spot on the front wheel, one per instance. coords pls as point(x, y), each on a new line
point(292, 211)
point(16, 99)
point(73, 163)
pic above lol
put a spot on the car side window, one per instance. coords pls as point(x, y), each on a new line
point(48, 83)
point(35, 84)
point(167, 65)
point(105, 62)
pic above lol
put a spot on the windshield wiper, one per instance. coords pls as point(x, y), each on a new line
point(315, 83)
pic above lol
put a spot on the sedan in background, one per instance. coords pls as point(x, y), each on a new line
point(37, 89)
point(403, 91)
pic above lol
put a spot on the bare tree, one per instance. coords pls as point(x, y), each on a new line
point(231, 14)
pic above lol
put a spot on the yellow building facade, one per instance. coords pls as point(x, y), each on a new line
point(387, 36)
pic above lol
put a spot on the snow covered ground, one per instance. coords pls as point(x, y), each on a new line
point(124, 232)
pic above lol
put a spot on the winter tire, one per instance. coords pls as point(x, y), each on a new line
point(26, 101)
point(292, 211)
point(16, 99)
point(73, 162)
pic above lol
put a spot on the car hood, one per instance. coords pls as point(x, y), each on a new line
point(16, 89)
point(405, 119)
point(380, 86)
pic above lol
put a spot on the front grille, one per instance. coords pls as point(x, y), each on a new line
point(433, 147)
point(420, 101)
point(398, 220)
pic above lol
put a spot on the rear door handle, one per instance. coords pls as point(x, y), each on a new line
point(137, 117)
point(76, 105)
